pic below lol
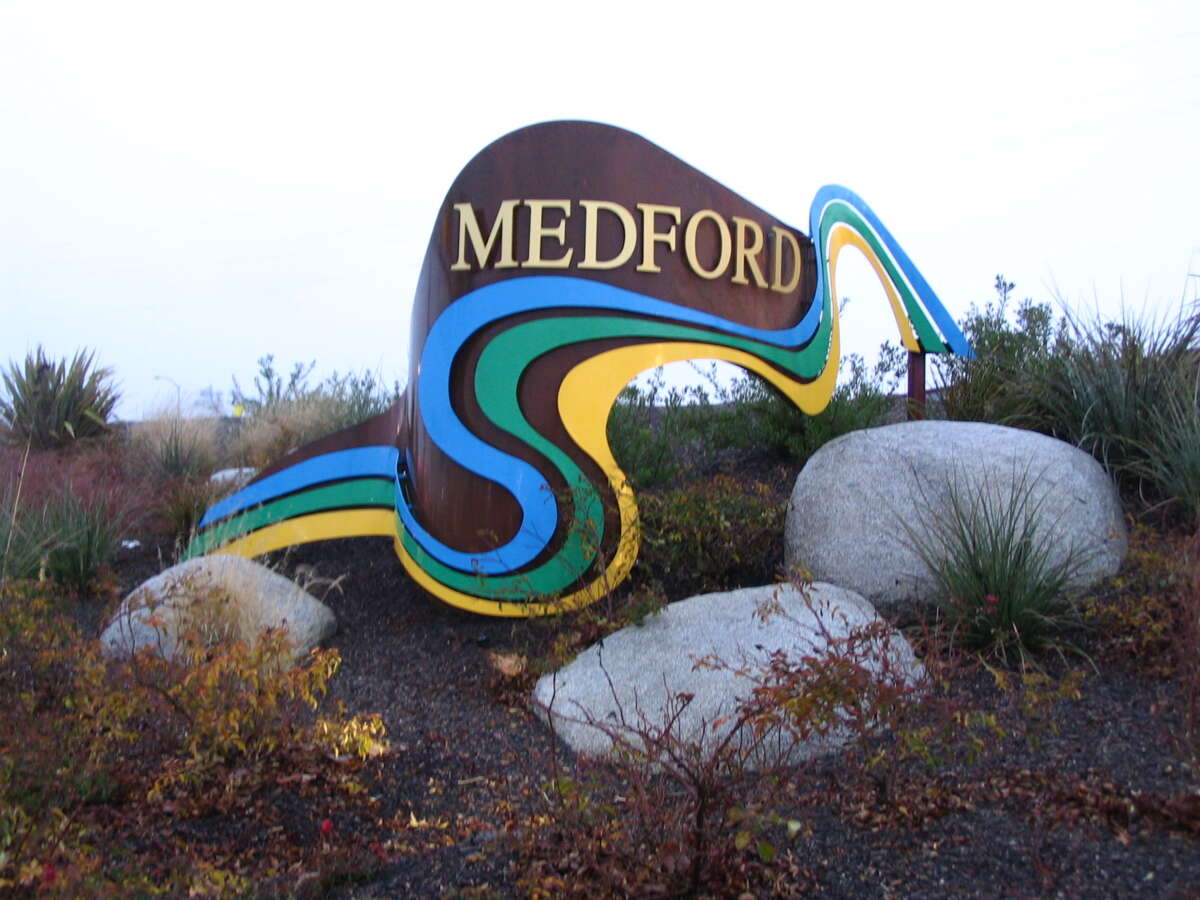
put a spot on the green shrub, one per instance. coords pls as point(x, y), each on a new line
point(1002, 586)
point(1010, 354)
point(649, 426)
point(758, 418)
point(51, 403)
point(711, 535)
point(654, 431)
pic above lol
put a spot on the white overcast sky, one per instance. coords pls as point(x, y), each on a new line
point(188, 186)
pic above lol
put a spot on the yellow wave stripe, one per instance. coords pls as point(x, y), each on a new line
point(585, 399)
point(314, 527)
point(842, 235)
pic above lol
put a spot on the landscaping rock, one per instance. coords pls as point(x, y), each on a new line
point(217, 597)
point(635, 678)
point(234, 478)
point(846, 522)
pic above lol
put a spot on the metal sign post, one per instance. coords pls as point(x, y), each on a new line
point(916, 385)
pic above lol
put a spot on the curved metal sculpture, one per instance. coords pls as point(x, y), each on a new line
point(567, 258)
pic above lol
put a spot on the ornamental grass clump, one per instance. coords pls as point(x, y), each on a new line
point(1002, 581)
point(1125, 391)
point(87, 532)
point(59, 524)
point(282, 415)
point(173, 446)
point(1170, 454)
point(52, 403)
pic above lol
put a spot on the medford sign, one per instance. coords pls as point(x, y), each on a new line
point(567, 258)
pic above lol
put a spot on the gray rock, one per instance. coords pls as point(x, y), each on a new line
point(861, 498)
point(636, 678)
point(216, 597)
point(234, 478)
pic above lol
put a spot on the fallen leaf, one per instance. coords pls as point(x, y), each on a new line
point(510, 665)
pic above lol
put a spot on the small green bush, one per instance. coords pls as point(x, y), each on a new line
point(1010, 354)
point(648, 426)
point(711, 535)
point(655, 430)
point(1003, 587)
point(52, 403)
point(758, 418)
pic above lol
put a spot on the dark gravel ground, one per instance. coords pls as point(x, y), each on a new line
point(1078, 813)
point(1098, 801)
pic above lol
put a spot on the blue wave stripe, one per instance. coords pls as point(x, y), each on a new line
point(357, 463)
point(832, 193)
point(473, 311)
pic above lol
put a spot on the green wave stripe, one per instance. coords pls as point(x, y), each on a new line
point(497, 377)
point(351, 494)
point(846, 214)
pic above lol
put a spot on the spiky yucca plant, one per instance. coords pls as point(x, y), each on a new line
point(50, 403)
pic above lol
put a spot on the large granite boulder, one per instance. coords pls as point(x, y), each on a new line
point(862, 502)
point(637, 678)
point(216, 598)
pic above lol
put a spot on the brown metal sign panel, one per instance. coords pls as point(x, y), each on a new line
point(566, 258)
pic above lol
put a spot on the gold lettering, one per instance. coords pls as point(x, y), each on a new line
point(689, 244)
point(591, 210)
point(502, 231)
point(782, 235)
point(747, 254)
point(746, 249)
point(538, 231)
point(650, 237)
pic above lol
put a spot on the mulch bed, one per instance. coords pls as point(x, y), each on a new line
point(1100, 805)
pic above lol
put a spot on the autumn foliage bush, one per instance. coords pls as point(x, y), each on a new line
point(699, 814)
point(84, 738)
